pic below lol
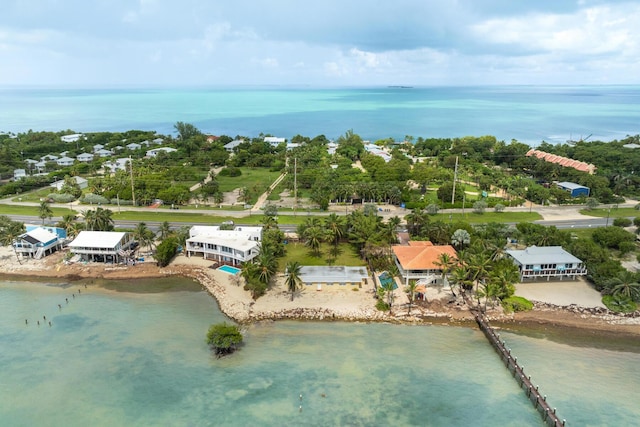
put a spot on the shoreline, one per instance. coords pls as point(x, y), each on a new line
point(338, 304)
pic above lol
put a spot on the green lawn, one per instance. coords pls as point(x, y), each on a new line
point(612, 213)
point(34, 195)
point(259, 177)
point(31, 210)
point(474, 218)
point(299, 252)
point(190, 218)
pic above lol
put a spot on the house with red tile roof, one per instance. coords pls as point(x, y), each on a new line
point(562, 161)
point(419, 260)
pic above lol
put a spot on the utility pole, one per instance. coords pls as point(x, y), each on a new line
point(295, 185)
point(133, 193)
point(455, 177)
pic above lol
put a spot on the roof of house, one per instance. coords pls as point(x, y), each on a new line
point(421, 255)
point(632, 145)
point(562, 161)
point(543, 255)
point(332, 274)
point(39, 235)
point(571, 185)
point(239, 241)
point(97, 239)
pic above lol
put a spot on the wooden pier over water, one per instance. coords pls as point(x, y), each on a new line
point(539, 401)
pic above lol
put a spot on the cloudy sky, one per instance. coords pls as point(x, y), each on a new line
point(319, 43)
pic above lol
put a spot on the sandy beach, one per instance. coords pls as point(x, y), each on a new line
point(572, 304)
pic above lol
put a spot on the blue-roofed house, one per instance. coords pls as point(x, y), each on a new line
point(37, 243)
point(574, 189)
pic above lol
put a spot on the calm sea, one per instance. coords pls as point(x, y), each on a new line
point(118, 358)
point(527, 113)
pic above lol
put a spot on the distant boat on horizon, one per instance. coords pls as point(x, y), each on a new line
point(400, 87)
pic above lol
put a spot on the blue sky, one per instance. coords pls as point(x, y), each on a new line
point(321, 43)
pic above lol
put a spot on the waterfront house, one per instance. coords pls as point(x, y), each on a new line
point(537, 262)
point(333, 275)
point(102, 246)
point(154, 152)
point(419, 260)
point(133, 146)
point(37, 242)
point(241, 244)
point(85, 157)
point(97, 147)
point(157, 141)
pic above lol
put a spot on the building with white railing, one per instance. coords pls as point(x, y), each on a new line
point(233, 247)
point(37, 242)
point(420, 261)
point(537, 262)
point(102, 246)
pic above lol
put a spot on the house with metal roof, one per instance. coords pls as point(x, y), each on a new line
point(19, 174)
point(65, 161)
point(419, 260)
point(37, 242)
point(574, 189)
point(85, 157)
point(102, 246)
point(71, 138)
point(537, 262)
point(230, 146)
point(241, 244)
point(333, 275)
point(154, 152)
point(82, 183)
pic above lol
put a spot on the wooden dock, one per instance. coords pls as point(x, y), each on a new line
point(538, 400)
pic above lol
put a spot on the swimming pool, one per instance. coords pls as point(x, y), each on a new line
point(229, 269)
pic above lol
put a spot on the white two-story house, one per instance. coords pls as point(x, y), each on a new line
point(232, 247)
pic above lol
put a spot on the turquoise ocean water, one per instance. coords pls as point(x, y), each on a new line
point(527, 113)
point(139, 359)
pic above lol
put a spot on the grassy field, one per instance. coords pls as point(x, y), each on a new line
point(258, 178)
point(31, 210)
point(612, 213)
point(502, 217)
point(299, 252)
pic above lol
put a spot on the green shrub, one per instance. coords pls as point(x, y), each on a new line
point(515, 304)
point(619, 304)
point(230, 171)
point(224, 338)
point(61, 197)
point(626, 247)
point(94, 199)
point(382, 305)
point(166, 251)
point(622, 222)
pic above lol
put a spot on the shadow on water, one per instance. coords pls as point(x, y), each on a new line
point(575, 337)
point(150, 286)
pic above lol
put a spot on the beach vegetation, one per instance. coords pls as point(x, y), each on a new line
point(619, 304)
point(166, 251)
point(10, 232)
point(292, 277)
point(224, 338)
point(612, 237)
point(622, 222)
point(515, 304)
point(98, 219)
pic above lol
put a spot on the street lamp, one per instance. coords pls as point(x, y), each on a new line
point(608, 213)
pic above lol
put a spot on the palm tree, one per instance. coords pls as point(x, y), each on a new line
point(143, 235)
point(410, 289)
point(461, 277)
point(624, 285)
point(44, 211)
point(335, 227)
point(313, 238)
point(460, 238)
point(479, 266)
point(293, 281)
point(164, 230)
point(266, 265)
point(67, 223)
point(10, 231)
point(446, 262)
point(390, 229)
